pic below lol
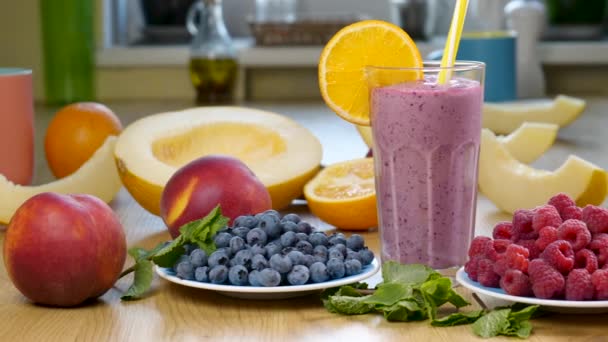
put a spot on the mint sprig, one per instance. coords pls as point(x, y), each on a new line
point(199, 232)
point(414, 293)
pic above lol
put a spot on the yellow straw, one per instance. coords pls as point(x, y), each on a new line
point(451, 45)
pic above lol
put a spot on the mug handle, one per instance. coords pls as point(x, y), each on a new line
point(192, 12)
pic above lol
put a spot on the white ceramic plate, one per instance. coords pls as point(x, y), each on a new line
point(555, 305)
point(276, 292)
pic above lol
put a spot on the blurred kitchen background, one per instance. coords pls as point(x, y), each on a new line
point(142, 47)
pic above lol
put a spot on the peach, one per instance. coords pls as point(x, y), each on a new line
point(199, 186)
point(61, 250)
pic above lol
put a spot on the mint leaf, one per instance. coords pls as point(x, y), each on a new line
point(524, 329)
point(409, 274)
point(523, 314)
point(405, 310)
point(142, 278)
point(348, 305)
point(169, 254)
point(137, 253)
point(492, 324)
point(388, 294)
point(457, 318)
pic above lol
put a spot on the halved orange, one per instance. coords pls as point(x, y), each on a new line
point(343, 194)
point(342, 78)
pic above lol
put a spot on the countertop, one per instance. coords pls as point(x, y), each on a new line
point(177, 313)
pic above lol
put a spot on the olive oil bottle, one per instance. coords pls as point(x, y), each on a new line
point(213, 63)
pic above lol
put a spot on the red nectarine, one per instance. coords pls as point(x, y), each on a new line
point(61, 250)
point(199, 186)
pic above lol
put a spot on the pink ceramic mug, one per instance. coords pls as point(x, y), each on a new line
point(16, 125)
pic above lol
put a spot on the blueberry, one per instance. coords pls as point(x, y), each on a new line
point(181, 258)
point(218, 274)
point(238, 275)
point(241, 232)
point(337, 239)
point(225, 250)
point(352, 255)
point(269, 277)
point(341, 247)
point(225, 229)
point(292, 217)
point(299, 275)
point(218, 258)
point(355, 242)
point(352, 267)
point(202, 274)
point(243, 258)
point(236, 244)
point(304, 247)
point(246, 221)
point(304, 227)
point(273, 212)
point(318, 239)
point(302, 237)
point(269, 222)
point(318, 272)
point(257, 249)
point(258, 262)
point(309, 260)
point(320, 250)
point(185, 270)
point(366, 256)
point(189, 247)
point(253, 278)
point(335, 268)
point(288, 239)
point(289, 226)
point(335, 254)
point(222, 240)
point(280, 263)
point(297, 257)
point(273, 231)
point(198, 258)
point(256, 236)
point(272, 249)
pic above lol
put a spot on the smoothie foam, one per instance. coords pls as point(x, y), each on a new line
point(426, 149)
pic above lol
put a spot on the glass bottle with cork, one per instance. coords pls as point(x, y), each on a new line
point(213, 63)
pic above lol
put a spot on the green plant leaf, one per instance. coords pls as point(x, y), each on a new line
point(142, 279)
point(348, 305)
point(388, 294)
point(169, 254)
point(405, 310)
point(492, 324)
point(457, 318)
point(408, 274)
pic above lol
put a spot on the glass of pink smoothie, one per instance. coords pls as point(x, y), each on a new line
point(426, 149)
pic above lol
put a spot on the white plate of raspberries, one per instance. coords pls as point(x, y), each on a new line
point(555, 255)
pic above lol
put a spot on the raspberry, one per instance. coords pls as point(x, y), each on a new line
point(586, 259)
point(560, 255)
point(571, 213)
point(470, 267)
point(546, 281)
point(579, 285)
point(522, 224)
point(479, 246)
point(501, 265)
point(596, 219)
point(516, 257)
point(575, 232)
point(545, 215)
point(599, 245)
point(599, 279)
point(500, 245)
point(485, 273)
point(545, 237)
point(516, 283)
point(531, 246)
point(561, 201)
point(504, 230)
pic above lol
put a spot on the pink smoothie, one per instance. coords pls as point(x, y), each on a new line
point(426, 149)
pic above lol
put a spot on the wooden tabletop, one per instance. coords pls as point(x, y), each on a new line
point(177, 313)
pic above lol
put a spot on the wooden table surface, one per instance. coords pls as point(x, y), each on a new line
point(178, 313)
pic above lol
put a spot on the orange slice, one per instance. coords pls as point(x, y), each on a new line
point(344, 195)
point(342, 78)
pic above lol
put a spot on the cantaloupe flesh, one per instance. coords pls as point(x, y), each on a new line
point(282, 154)
point(512, 185)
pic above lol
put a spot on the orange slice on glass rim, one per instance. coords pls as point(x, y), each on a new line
point(342, 77)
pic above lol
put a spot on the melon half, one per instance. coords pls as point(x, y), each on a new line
point(282, 154)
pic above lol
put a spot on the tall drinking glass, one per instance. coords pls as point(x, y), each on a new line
point(426, 150)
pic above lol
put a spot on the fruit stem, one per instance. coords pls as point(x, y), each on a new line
point(127, 271)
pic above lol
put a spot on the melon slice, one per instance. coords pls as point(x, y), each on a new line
point(97, 177)
point(525, 144)
point(504, 118)
point(283, 154)
point(530, 141)
point(512, 185)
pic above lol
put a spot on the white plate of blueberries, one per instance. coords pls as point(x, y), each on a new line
point(269, 256)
